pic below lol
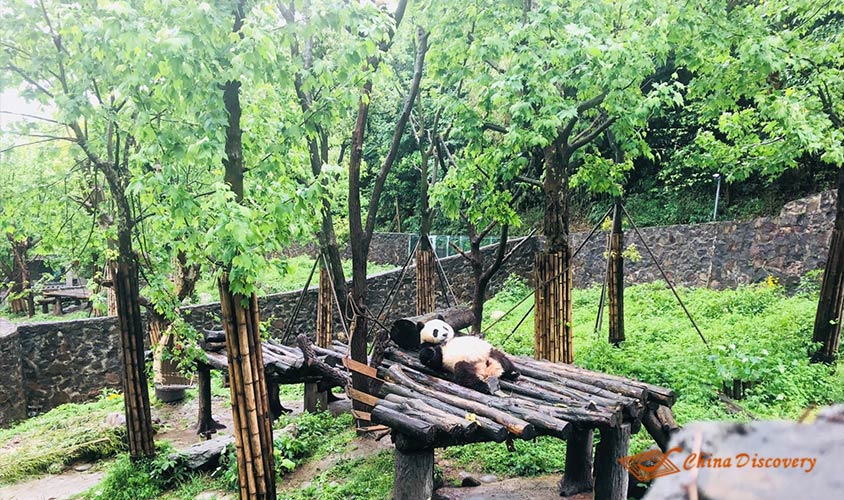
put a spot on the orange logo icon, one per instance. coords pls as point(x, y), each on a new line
point(650, 464)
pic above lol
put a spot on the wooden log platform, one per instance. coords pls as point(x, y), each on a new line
point(283, 365)
point(427, 410)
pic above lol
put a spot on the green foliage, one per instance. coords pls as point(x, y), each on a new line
point(65, 434)
point(543, 455)
point(316, 434)
point(142, 479)
point(369, 478)
point(810, 283)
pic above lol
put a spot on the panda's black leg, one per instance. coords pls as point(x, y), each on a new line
point(466, 375)
point(510, 370)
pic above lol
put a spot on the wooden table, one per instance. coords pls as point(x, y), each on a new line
point(76, 294)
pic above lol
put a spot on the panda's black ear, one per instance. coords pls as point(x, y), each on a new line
point(440, 317)
point(419, 326)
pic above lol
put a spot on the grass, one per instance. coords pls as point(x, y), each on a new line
point(756, 333)
point(49, 442)
point(357, 479)
point(43, 318)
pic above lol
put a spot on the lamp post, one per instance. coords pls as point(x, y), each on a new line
point(717, 177)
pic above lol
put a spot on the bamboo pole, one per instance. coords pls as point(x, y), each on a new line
point(425, 281)
point(250, 403)
point(552, 323)
point(615, 278)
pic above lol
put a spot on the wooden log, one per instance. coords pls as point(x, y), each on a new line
point(577, 477)
point(545, 392)
point(315, 400)
point(568, 409)
point(516, 426)
point(611, 478)
point(454, 425)
point(419, 431)
point(334, 375)
point(490, 429)
point(540, 416)
point(414, 474)
point(406, 335)
point(206, 425)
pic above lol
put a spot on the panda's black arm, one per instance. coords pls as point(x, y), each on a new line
point(431, 355)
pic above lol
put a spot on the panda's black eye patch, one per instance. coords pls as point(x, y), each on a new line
point(435, 332)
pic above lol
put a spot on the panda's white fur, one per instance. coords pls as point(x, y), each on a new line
point(472, 350)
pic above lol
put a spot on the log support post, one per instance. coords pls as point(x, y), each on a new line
point(315, 399)
point(414, 478)
point(578, 473)
point(611, 478)
point(615, 278)
point(206, 425)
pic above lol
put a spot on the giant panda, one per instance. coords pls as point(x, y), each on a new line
point(474, 362)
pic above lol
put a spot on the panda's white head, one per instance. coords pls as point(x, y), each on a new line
point(435, 331)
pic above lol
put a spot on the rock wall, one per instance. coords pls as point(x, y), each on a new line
point(723, 254)
point(68, 362)
point(12, 398)
point(277, 308)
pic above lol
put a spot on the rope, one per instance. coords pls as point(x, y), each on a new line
point(665, 276)
point(388, 300)
point(549, 280)
point(288, 328)
point(336, 299)
point(443, 278)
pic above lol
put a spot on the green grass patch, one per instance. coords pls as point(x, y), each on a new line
point(49, 442)
point(369, 478)
point(756, 333)
point(142, 479)
point(543, 455)
point(43, 318)
point(313, 436)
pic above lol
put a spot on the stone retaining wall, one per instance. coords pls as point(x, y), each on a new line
point(48, 364)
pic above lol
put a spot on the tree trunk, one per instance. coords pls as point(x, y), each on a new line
point(611, 478)
point(552, 267)
point(578, 474)
point(111, 296)
point(414, 476)
point(615, 278)
point(827, 329)
point(250, 403)
point(552, 320)
point(135, 389)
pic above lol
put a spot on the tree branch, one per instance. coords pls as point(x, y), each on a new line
point(422, 39)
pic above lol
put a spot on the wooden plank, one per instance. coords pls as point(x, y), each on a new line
point(362, 415)
point(363, 397)
point(358, 367)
